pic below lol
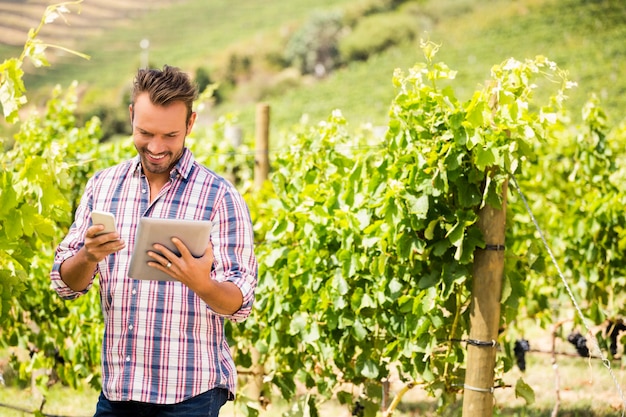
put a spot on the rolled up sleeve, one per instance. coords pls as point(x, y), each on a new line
point(233, 239)
point(70, 245)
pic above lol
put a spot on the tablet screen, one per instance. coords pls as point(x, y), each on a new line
point(195, 234)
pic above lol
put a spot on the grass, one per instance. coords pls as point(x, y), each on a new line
point(60, 401)
point(585, 389)
point(472, 41)
point(474, 36)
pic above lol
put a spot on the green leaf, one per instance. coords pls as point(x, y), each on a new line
point(369, 369)
point(429, 233)
point(474, 115)
point(273, 256)
point(311, 334)
point(280, 226)
point(11, 88)
point(8, 195)
point(359, 331)
point(418, 206)
point(298, 324)
point(13, 226)
point(344, 397)
point(468, 194)
point(340, 283)
point(525, 391)
point(485, 157)
point(29, 217)
point(457, 232)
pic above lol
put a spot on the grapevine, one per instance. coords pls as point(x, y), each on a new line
point(365, 242)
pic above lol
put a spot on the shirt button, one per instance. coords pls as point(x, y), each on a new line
point(128, 359)
point(130, 327)
point(134, 291)
point(143, 191)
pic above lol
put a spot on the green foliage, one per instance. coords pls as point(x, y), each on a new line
point(365, 242)
point(375, 34)
point(114, 120)
point(37, 183)
point(204, 81)
point(213, 148)
point(577, 196)
point(12, 93)
point(354, 11)
point(43, 177)
point(12, 87)
point(367, 260)
point(314, 47)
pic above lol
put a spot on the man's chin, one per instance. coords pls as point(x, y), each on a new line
point(153, 168)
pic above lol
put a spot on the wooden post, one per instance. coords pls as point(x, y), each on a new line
point(485, 312)
point(261, 159)
point(234, 135)
point(385, 400)
point(255, 382)
point(261, 171)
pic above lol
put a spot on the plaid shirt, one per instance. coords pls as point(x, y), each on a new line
point(162, 343)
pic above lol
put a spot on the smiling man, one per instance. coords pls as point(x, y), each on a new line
point(164, 349)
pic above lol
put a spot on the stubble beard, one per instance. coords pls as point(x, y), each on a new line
point(158, 169)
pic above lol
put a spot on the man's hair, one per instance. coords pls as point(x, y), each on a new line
point(165, 86)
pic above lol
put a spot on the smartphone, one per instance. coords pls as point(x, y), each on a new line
point(105, 218)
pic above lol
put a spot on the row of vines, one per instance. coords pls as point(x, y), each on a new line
point(365, 243)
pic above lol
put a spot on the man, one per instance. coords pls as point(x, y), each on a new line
point(164, 349)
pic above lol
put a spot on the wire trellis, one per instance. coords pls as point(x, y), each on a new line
point(605, 361)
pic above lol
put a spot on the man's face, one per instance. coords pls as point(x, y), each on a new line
point(159, 134)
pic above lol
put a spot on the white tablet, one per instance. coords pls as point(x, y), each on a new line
point(195, 234)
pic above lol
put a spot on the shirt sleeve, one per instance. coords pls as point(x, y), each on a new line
point(70, 245)
point(233, 240)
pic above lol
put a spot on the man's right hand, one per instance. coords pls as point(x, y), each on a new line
point(98, 246)
point(78, 270)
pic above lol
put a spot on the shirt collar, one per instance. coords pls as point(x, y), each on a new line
point(184, 164)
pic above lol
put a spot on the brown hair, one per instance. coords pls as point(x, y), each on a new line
point(165, 86)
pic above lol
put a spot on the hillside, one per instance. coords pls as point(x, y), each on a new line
point(583, 37)
point(88, 19)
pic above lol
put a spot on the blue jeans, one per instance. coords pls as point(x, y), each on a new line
point(207, 404)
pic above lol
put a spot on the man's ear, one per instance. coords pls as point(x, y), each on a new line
point(192, 120)
point(130, 111)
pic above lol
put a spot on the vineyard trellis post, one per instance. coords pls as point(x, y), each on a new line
point(261, 157)
point(485, 312)
point(261, 174)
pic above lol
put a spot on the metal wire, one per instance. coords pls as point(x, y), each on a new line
point(479, 343)
point(605, 361)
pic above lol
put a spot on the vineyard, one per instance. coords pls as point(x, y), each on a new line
point(366, 242)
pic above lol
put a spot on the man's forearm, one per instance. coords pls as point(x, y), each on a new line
point(77, 271)
point(222, 297)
